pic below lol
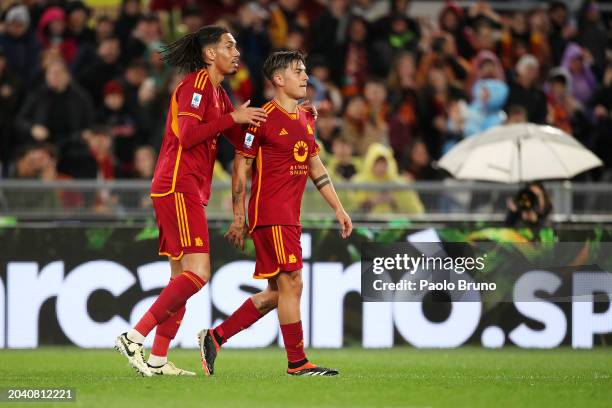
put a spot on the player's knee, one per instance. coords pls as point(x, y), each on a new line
point(296, 285)
point(198, 264)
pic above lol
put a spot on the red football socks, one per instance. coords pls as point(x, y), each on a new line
point(293, 336)
point(170, 301)
point(243, 317)
point(166, 331)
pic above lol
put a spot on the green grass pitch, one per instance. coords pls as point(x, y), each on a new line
point(399, 377)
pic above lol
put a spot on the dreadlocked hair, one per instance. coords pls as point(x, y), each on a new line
point(186, 52)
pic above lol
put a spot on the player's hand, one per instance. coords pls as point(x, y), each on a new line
point(249, 116)
point(236, 233)
point(310, 108)
point(345, 222)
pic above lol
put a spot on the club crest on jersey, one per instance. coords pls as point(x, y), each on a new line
point(195, 100)
point(300, 151)
point(248, 140)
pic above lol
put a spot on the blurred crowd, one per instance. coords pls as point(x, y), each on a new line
point(84, 92)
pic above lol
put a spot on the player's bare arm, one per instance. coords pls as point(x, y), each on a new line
point(237, 230)
point(320, 177)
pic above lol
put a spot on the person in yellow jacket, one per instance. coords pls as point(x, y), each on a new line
point(380, 167)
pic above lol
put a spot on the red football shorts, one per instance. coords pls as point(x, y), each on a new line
point(277, 249)
point(182, 225)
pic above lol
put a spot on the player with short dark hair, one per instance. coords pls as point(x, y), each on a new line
point(200, 111)
point(285, 154)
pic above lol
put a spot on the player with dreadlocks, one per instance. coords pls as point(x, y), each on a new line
point(200, 111)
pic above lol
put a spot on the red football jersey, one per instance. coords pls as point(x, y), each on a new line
point(281, 147)
point(190, 170)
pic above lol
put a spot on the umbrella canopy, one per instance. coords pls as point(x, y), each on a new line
point(518, 153)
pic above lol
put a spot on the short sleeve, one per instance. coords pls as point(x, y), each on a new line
point(191, 96)
point(310, 128)
point(248, 146)
point(315, 149)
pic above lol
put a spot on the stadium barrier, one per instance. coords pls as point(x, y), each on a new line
point(83, 285)
point(446, 201)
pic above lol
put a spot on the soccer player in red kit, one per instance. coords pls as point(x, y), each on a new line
point(285, 155)
point(199, 112)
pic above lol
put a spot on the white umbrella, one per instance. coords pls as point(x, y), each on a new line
point(519, 152)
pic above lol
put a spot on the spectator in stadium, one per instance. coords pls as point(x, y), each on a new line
point(10, 99)
point(19, 45)
point(159, 72)
point(354, 59)
point(329, 29)
point(435, 100)
point(122, 124)
point(375, 94)
point(255, 45)
point(443, 53)
point(592, 33)
point(144, 166)
point(481, 10)
point(525, 91)
point(380, 167)
point(578, 62)
point(57, 111)
point(37, 162)
point(328, 129)
point(451, 20)
point(602, 112)
point(356, 127)
point(418, 165)
point(342, 165)
point(403, 99)
point(286, 16)
point(539, 26)
point(518, 39)
point(486, 27)
point(105, 67)
point(319, 69)
point(100, 144)
point(77, 18)
point(133, 78)
point(146, 33)
point(52, 33)
point(395, 32)
point(489, 94)
point(564, 111)
point(192, 19)
point(105, 28)
point(129, 16)
point(144, 163)
point(561, 31)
